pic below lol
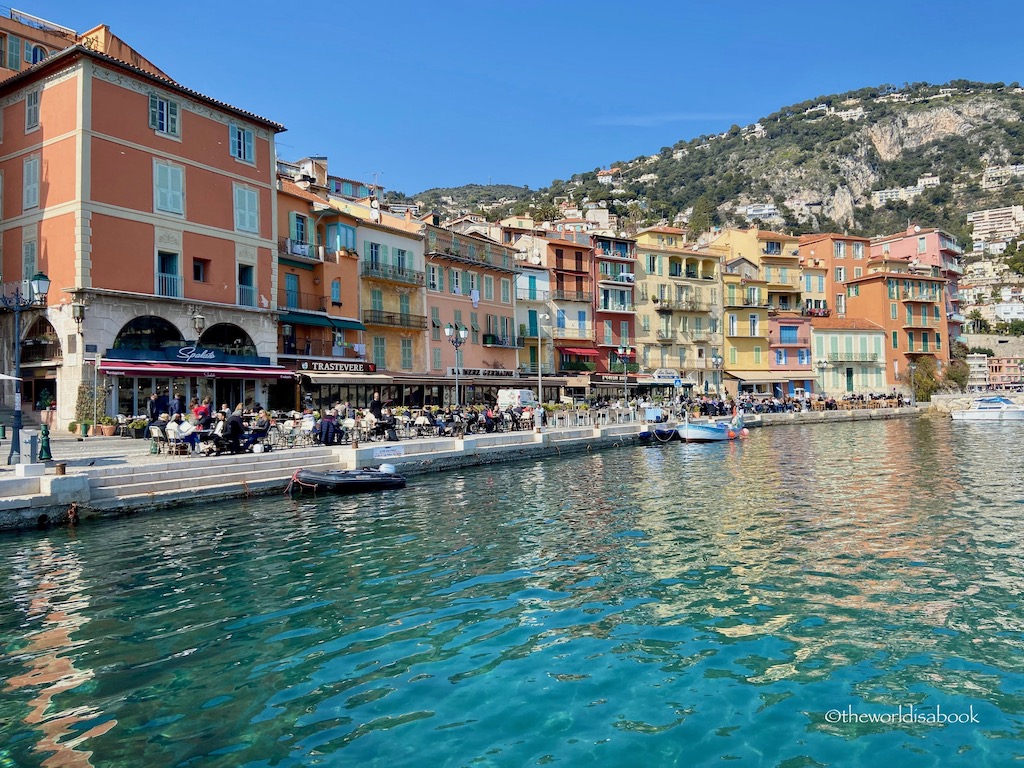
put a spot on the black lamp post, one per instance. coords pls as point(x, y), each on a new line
point(25, 294)
point(457, 336)
point(717, 362)
point(912, 366)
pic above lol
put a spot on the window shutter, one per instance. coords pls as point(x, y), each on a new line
point(28, 52)
point(162, 186)
point(247, 148)
point(172, 118)
point(177, 189)
point(366, 250)
point(154, 111)
point(13, 52)
point(383, 254)
point(233, 140)
point(291, 225)
point(240, 206)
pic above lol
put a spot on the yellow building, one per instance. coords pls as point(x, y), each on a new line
point(746, 329)
point(679, 309)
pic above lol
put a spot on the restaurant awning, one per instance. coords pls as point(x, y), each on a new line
point(581, 351)
point(759, 377)
point(321, 321)
point(349, 378)
point(119, 368)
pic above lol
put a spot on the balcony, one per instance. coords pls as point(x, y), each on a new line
point(315, 348)
point(738, 334)
point(621, 278)
point(170, 285)
point(614, 253)
point(301, 302)
point(575, 366)
point(394, 319)
point(572, 296)
point(572, 332)
point(853, 357)
point(816, 312)
point(295, 249)
point(530, 369)
point(776, 340)
point(696, 335)
point(247, 295)
point(924, 322)
point(391, 273)
point(920, 296)
point(570, 265)
point(743, 301)
point(666, 337)
point(613, 306)
point(494, 340)
point(525, 294)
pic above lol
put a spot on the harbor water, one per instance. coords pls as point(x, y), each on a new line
point(818, 595)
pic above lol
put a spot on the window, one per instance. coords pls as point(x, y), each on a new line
point(200, 270)
point(506, 291)
point(474, 327)
point(31, 110)
point(474, 281)
point(803, 357)
point(163, 115)
point(858, 250)
point(780, 357)
point(840, 274)
point(298, 226)
point(892, 311)
point(403, 305)
point(29, 262)
point(788, 334)
point(488, 288)
point(247, 217)
point(839, 250)
point(732, 355)
point(922, 244)
point(380, 352)
point(652, 263)
point(895, 340)
point(168, 279)
point(246, 285)
point(30, 198)
point(336, 292)
point(435, 277)
point(435, 324)
point(910, 341)
point(170, 187)
point(13, 52)
point(406, 354)
point(377, 300)
point(454, 281)
point(435, 361)
point(341, 236)
point(841, 303)
point(753, 320)
point(938, 341)
point(857, 272)
point(241, 143)
point(821, 283)
point(403, 260)
point(757, 355)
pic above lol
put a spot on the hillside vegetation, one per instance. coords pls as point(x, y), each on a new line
point(816, 167)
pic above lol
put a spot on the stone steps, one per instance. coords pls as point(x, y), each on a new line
point(188, 479)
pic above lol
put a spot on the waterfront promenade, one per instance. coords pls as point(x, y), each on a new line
point(110, 476)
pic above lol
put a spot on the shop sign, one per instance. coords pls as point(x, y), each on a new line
point(484, 372)
point(325, 366)
point(194, 355)
point(666, 374)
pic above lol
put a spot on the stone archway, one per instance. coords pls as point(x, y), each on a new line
point(228, 338)
point(148, 333)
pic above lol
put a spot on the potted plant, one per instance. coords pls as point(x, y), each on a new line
point(73, 427)
point(107, 425)
point(138, 428)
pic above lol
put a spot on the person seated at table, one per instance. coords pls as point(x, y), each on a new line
point(327, 429)
point(188, 435)
point(161, 422)
point(259, 430)
point(233, 430)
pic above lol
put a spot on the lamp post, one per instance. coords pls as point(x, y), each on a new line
point(457, 336)
point(821, 365)
point(912, 366)
point(16, 301)
point(717, 362)
point(541, 319)
point(625, 352)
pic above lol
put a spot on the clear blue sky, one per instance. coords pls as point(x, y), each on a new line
point(450, 93)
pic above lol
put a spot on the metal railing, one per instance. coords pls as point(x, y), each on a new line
point(393, 273)
point(168, 284)
point(572, 296)
point(307, 302)
point(616, 307)
point(525, 294)
point(396, 319)
point(494, 340)
point(247, 295)
point(853, 357)
point(797, 341)
point(315, 348)
point(572, 332)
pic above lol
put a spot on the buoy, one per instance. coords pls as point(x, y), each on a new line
point(744, 432)
point(732, 434)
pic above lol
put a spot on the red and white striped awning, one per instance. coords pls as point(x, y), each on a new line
point(122, 368)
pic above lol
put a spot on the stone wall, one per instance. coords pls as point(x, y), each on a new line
point(943, 404)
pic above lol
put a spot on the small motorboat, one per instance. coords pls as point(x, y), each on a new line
point(712, 431)
point(384, 478)
point(997, 408)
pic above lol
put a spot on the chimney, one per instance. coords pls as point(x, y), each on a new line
point(408, 214)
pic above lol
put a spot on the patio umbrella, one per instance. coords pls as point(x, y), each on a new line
point(5, 377)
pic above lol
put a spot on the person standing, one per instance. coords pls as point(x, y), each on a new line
point(152, 409)
point(376, 406)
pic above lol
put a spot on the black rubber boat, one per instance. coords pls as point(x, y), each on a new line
point(348, 480)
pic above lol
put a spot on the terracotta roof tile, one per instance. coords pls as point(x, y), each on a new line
point(845, 323)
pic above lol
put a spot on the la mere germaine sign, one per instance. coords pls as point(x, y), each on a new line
point(489, 372)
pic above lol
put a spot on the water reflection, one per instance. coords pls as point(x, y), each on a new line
point(47, 588)
point(666, 605)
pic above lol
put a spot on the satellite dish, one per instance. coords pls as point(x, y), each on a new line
point(917, 228)
point(535, 259)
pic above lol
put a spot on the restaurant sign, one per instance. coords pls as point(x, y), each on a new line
point(330, 366)
point(194, 355)
point(483, 372)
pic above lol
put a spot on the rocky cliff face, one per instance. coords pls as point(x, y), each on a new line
point(893, 136)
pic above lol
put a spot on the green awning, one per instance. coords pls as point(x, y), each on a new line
point(351, 325)
point(294, 318)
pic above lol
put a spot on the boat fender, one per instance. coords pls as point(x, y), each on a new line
point(744, 432)
point(731, 434)
point(387, 469)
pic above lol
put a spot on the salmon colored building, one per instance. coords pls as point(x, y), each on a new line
point(151, 209)
point(907, 302)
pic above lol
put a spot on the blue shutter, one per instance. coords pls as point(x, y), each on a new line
point(247, 148)
point(292, 225)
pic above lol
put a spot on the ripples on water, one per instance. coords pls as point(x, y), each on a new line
point(670, 605)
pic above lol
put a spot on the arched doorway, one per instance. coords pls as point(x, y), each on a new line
point(238, 347)
point(41, 355)
point(148, 334)
point(141, 339)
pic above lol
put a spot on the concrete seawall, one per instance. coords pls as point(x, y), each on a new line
point(171, 483)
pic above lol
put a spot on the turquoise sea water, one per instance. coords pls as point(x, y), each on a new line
point(652, 606)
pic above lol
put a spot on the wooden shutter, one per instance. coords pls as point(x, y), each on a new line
point(176, 192)
point(248, 152)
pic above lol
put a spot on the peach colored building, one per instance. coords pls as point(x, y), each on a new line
point(151, 209)
point(842, 257)
point(907, 302)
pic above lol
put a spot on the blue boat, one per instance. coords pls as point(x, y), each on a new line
point(713, 431)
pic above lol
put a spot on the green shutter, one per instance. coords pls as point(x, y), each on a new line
point(383, 254)
point(292, 226)
point(154, 111)
point(366, 250)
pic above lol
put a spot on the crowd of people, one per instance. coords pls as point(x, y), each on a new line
point(204, 429)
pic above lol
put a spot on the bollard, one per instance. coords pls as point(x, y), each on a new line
point(3, 431)
point(61, 468)
point(44, 444)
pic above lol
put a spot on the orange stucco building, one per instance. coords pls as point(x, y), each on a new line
point(151, 209)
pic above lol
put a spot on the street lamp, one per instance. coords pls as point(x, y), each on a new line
point(457, 336)
point(625, 352)
point(912, 366)
point(25, 294)
point(541, 319)
point(717, 362)
point(821, 365)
